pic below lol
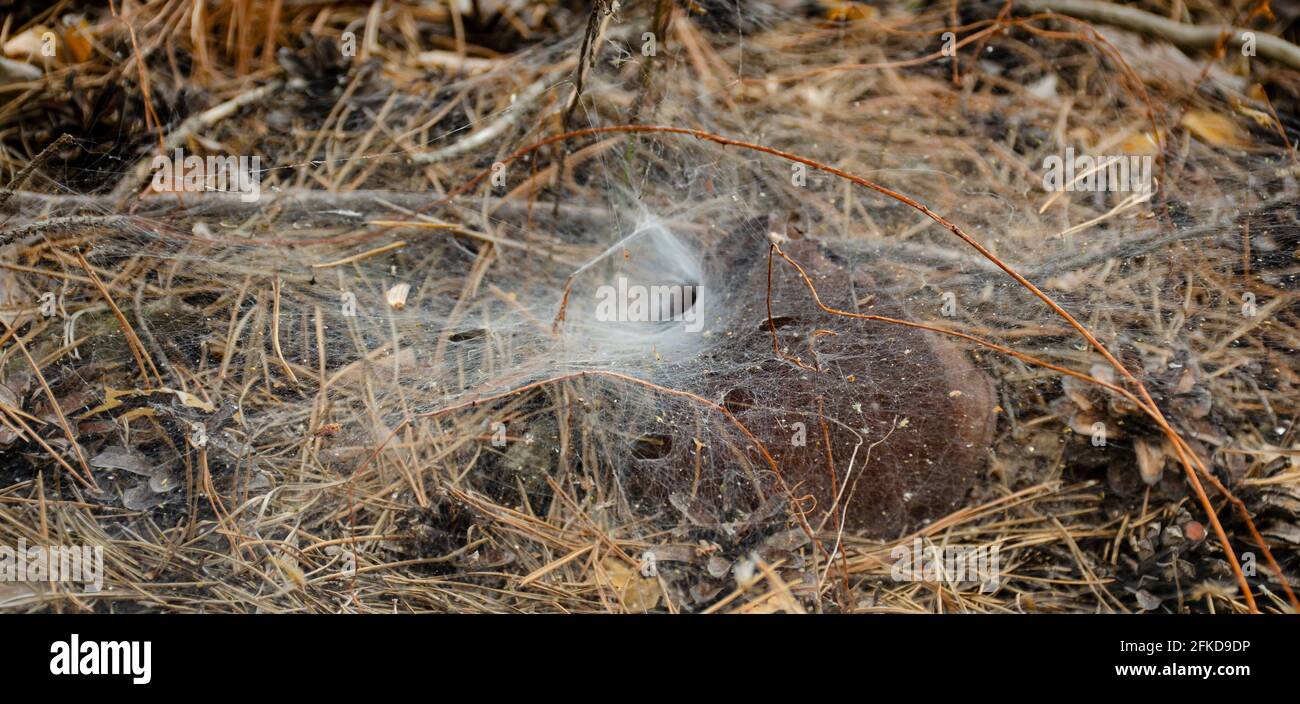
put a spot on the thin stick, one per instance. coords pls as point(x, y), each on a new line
point(365, 255)
point(275, 333)
point(1184, 36)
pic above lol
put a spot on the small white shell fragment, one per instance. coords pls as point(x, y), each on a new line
point(397, 296)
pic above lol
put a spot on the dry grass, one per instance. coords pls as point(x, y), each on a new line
point(330, 503)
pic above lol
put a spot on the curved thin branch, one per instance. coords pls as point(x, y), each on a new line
point(1184, 36)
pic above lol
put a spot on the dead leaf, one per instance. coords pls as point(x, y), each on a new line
point(163, 481)
point(718, 566)
point(123, 458)
point(788, 540)
point(1147, 601)
point(8, 399)
point(116, 398)
point(77, 39)
point(639, 594)
point(1213, 129)
point(1143, 143)
point(68, 403)
point(844, 11)
point(140, 498)
point(1150, 460)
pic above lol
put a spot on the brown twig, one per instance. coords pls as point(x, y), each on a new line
point(1184, 36)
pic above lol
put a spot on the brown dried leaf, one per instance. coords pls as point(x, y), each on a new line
point(114, 398)
point(847, 11)
point(1142, 143)
point(77, 39)
point(1213, 129)
point(639, 594)
point(1150, 460)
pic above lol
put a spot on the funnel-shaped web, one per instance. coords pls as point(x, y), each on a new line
point(885, 425)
